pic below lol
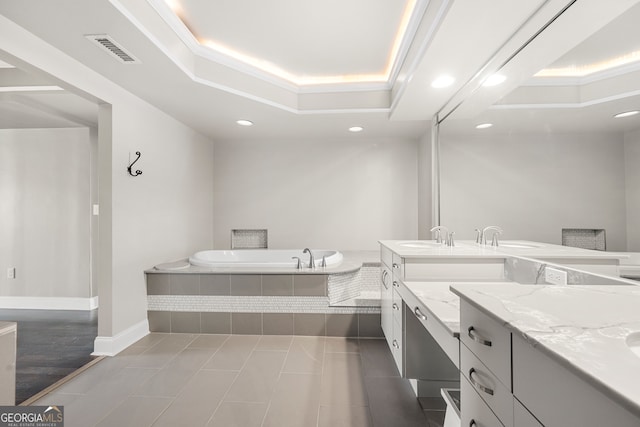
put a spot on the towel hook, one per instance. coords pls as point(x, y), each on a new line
point(138, 172)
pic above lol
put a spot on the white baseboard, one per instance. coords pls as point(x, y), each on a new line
point(49, 303)
point(110, 346)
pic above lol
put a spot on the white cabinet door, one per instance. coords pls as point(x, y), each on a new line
point(558, 397)
point(522, 417)
point(386, 301)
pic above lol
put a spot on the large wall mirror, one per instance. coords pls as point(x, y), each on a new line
point(544, 150)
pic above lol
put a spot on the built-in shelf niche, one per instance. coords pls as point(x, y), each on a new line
point(585, 238)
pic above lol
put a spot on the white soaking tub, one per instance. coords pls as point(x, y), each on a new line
point(263, 258)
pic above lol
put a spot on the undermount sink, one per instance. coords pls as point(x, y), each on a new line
point(420, 244)
point(633, 342)
point(517, 245)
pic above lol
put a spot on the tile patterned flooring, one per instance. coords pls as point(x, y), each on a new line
point(244, 380)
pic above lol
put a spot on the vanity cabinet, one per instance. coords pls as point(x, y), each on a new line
point(391, 306)
point(505, 379)
point(416, 353)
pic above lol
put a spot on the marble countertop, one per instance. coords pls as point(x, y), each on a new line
point(469, 248)
point(584, 328)
point(443, 304)
point(429, 249)
point(7, 327)
point(530, 249)
point(352, 261)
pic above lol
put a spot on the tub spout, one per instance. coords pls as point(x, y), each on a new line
point(312, 262)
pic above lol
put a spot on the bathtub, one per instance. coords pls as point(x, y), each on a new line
point(262, 258)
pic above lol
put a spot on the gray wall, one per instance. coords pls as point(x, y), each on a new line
point(340, 194)
point(534, 185)
point(632, 176)
point(45, 212)
point(161, 215)
point(425, 213)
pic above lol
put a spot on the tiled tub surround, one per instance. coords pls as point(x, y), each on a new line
point(304, 302)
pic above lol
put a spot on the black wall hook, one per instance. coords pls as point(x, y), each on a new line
point(138, 172)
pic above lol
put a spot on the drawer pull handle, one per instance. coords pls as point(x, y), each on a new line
point(395, 344)
point(395, 284)
point(394, 265)
point(395, 306)
point(478, 385)
point(419, 314)
point(385, 273)
point(477, 338)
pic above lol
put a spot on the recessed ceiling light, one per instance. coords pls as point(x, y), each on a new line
point(494, 80)
point(626, 114)
point(484, 125)
point(443, 81)
point(244, 122)
point(356, 129)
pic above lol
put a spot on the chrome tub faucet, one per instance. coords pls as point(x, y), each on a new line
point(312, 261)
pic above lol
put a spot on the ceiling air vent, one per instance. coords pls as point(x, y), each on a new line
point(107, 43)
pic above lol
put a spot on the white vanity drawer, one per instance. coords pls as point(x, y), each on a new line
point(473, 411)
point(522, 417)
point(396, 307)
point(490, 389)
point(488, 340)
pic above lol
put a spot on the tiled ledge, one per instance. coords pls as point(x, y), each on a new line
point(237, 284)
point(364, 325)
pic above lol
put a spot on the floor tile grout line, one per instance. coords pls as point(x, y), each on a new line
point(213, 414)
point(214, 353)
point(173, 399)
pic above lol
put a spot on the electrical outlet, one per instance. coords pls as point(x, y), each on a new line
point(11, 273)
point(96, 210)
point(555, 277)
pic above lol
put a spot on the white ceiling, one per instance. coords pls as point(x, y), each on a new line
point(304, 38)
point(209, 91)
point(571, 103)
point(31, 101)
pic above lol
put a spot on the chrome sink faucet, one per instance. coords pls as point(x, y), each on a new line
point(438, 229)
point(312, 261)
point(448, 236)
point(483, 235)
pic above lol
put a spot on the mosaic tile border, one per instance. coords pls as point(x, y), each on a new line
point(249, 304)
